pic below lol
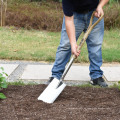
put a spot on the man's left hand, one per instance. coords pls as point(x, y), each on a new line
point(99, 12)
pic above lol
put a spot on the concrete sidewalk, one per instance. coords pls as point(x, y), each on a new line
point(38, 72)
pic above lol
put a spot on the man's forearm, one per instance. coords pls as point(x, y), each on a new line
point(103, 2)
point(70, 28)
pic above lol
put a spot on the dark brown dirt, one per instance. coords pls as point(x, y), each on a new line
point(74, 103)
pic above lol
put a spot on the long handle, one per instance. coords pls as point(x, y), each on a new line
point(91, 26)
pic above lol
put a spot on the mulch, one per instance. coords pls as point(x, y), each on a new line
point(74, 103)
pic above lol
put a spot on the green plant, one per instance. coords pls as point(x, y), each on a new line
point(119, 85)
point(3, 83)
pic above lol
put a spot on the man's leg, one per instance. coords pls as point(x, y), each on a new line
point(94, 44)
point(64, 49)
point(62, 55)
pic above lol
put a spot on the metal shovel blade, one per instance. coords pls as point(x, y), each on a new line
point(52, 91)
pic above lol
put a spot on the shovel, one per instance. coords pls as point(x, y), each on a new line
point(53, 90)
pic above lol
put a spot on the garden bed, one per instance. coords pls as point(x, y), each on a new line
point(75, 103)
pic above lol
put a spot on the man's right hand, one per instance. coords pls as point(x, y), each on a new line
point(74, 50)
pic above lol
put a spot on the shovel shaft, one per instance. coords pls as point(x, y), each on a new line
point(67, 68)
point(91, 26)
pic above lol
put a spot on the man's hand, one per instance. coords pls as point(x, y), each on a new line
point(99, 11)
point(74, 50)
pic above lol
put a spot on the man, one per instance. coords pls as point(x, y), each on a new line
point(77, 14)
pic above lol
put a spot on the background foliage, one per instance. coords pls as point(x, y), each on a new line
point(48, 14)
point(3, 83)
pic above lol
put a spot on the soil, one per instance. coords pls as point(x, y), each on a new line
point(74, 103)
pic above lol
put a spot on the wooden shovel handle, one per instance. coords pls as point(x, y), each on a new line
point(91, 26)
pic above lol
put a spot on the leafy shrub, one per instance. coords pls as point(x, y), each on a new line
point(112, 16)
point(35, 0)
point(3, 83)
point(48, 15)
point(58, 0)
point(44, 16)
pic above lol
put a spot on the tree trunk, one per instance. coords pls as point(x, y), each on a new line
point(3, 11)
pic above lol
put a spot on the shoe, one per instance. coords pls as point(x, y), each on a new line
point(99, 81)
point(49, 81)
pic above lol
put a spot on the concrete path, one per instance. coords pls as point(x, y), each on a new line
point(37, 72)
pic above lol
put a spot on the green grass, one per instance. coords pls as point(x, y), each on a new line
point(42, 45)
point(87, 86)
point(21, 83)
point(111, 46)
point(96, 86)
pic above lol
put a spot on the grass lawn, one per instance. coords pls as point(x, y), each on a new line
point(42, 45)
point(88, 85)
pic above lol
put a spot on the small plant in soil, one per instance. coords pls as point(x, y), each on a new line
point(119, 85)
point(3, 83)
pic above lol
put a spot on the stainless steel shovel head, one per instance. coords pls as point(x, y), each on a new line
point(52, 91)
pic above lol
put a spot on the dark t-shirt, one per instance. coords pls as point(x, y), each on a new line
point(79, 6)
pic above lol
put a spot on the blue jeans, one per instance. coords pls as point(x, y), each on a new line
point(94, 43)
